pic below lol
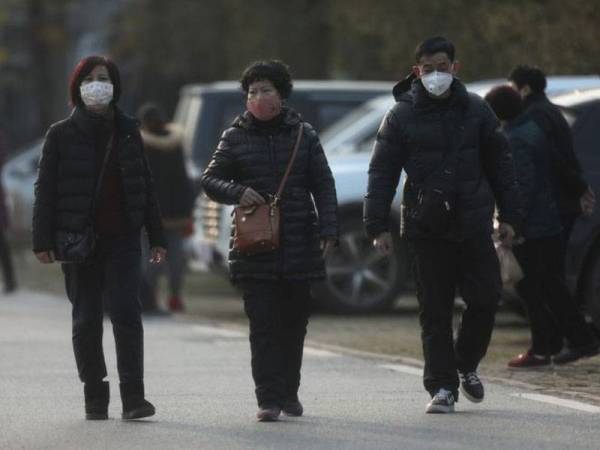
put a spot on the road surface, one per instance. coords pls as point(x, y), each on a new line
point(198, 376)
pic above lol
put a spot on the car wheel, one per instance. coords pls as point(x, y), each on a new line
point(591, 289)
point(359, 279)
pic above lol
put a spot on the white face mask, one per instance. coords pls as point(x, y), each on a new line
point(436, 83)
point(96, 93)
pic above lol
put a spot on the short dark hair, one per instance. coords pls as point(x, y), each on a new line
point(83, 69)
point(505, 102)
point(434, 45)
point(274, 71)
point(531, 76)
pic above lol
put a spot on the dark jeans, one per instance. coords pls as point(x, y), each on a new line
point(552, 311)
point(440, 268)
point(113, 276)
point(7, 265)
point(278, 313)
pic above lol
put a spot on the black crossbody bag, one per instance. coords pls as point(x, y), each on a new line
point(435, 210)
point(78, 246)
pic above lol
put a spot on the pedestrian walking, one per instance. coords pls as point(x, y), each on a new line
point(94, 181)
point(458, 166)
point(163, 145)
point(551, 309)
point(249, 168)
point(5, 253)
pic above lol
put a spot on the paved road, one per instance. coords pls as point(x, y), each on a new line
point(198, 377)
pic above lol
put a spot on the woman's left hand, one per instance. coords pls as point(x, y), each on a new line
point(157, 255)
point(326, 245)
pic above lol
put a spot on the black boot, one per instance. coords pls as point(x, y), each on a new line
point(135, 406)
point(97, 396)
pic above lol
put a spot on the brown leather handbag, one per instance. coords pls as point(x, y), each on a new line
point(257, 226)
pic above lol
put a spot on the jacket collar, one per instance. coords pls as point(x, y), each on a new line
point(535, 98)
point(92, 124)
point(245, 120)
point(411, 90)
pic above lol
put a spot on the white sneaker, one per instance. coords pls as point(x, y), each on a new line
point(442, 402)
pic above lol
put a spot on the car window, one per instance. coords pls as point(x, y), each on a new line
point(233, 108)
point(189, 122)
point(586, 140)
point(329, 113)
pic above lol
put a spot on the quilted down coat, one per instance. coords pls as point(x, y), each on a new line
point(248, 155)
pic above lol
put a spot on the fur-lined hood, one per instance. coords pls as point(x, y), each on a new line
point(167, 142)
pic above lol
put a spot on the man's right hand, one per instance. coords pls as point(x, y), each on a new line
point(45, 257)
point(251, 197)
point(384, 243)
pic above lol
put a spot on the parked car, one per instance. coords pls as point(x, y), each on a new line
point(582, 110)
point(18, 177)
point(205, 111)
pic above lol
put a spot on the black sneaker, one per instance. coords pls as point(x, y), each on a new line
point(268, 413)
point(292, 407)
point(442, 402)
point(471, 386)
point(571, 354)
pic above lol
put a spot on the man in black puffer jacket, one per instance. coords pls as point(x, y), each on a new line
point(458, 165)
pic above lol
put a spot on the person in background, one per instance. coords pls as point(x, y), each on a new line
point(543, 289)
point(5, 253)
point(174, 188)
point(245, 170)
point(458, 167)
point(97, 134)
point(575, 196)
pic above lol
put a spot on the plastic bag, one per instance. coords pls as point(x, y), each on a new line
point(510, 270)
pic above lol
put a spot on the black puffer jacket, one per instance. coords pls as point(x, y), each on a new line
point(249, 156)
point(414, 136)
point(67, 176)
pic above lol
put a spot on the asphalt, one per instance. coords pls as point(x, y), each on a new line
point(197, 375)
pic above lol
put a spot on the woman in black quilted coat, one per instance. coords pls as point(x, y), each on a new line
point(97, 134)
point(246, 169)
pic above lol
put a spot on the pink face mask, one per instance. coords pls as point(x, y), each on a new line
point(265, 107)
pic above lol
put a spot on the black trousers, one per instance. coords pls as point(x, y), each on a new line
point(552, 311)
point(440, 268)
point(113, 276)
point(278, 312)
point(7, 265)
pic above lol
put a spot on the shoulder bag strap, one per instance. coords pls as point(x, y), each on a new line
point(290, 164)
point(109, 148)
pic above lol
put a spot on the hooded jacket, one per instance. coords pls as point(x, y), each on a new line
point(414, 136)
point(249, 155)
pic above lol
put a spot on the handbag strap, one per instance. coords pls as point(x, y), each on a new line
point(109, 148)
point(290, 164)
